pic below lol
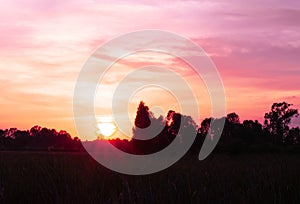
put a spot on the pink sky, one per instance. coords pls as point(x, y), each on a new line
point(43, 45)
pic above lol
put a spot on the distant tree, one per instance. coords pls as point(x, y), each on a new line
point(278, 119)
point(149, 127)
point(64, 136)
point(2, 132)
point(142, 119)
point(174, 123)
point(21, 139)
point(211, 126)
point(181, 125)
point(35, 131)
point(76, 139)
point(233, 118)
point(232, 131)
point(293, 136)
point(38, 138)
point(253, 132)
point(205, 125)
point(169, 117)
point(2, 139)
point(10, 133)
point(48, 137)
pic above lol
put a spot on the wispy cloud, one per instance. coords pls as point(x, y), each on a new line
point(43, 45)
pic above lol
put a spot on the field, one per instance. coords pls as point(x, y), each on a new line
point(49, 177)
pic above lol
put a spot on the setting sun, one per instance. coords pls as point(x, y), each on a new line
point(106, 127)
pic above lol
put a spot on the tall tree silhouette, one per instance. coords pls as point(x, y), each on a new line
point(142, 119)
point(153, 138)
point(278, 119)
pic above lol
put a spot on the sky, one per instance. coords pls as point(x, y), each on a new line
point(255, 46)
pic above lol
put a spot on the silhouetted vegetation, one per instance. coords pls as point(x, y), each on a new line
point(167, 129)
point(38, 138)
point(270, 174)
point(237, 136)
point(72, 177)
point(274, 135)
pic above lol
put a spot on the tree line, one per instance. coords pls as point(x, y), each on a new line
point(38, 138)
point(274, 132)
point(273, 135)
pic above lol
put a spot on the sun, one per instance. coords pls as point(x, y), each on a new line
point(106, 129)
point(106, 126)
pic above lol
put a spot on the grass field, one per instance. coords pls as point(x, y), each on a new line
point(42, 177)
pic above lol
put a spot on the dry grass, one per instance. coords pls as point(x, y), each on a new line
point(41, 177)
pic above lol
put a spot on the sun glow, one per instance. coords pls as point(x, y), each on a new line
point(106, 126)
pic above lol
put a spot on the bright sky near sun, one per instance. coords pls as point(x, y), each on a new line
point(44, 43)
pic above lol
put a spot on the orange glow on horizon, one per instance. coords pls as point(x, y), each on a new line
point(44, 45)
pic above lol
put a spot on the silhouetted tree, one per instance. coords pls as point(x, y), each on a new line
point(235, 136)
point(278, 119)
point(202, 133)
point(233, 118)
point(174, 122)
point(21, 139)
point(181, 125)
point(232, 131)
point(2, 139)
point(205, 125)
point(64, 139)
point(2, 133)
point(146, 125)
point(38, 138)
point(293, 136)
point(10, 133)
point(252, 132)
point(35, 131)
point(142, 119)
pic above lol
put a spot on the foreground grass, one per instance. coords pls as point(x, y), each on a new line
point(41, 177)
